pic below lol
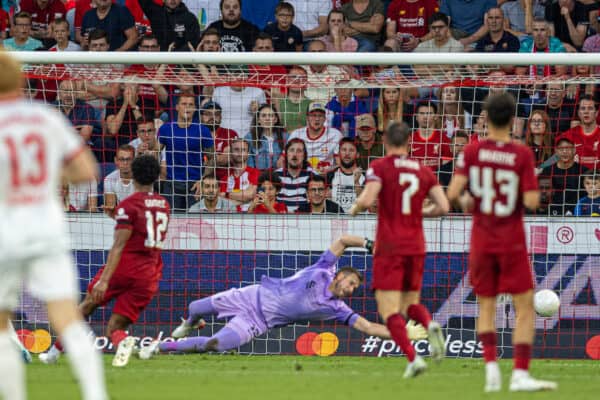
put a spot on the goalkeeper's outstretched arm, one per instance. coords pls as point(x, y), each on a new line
point(340, 244)
point(415, 331)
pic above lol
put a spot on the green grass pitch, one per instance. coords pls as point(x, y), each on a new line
point(221, 377)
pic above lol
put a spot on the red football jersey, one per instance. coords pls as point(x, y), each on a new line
point(499, 173)
point(41, 18)
point(405, 184)
point(412, 17)
point(147, 215)
point(587, 147)
point(431, 151)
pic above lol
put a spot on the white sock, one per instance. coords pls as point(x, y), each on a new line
point(492, 370)
point(12, 374)
point(519, 373)
point(86, 362)
point(54, 352)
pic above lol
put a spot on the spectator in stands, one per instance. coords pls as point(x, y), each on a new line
point(81, 7)
point(467, 18)
point(4, 24)
point(540, 43)
point(592, 45)
point(390, 107)
point(545, 188)
point(566, 178)
point(115, 20)
point(586, 135)
point(479, 129)
point(241, 181)
point(210, 201)
point(186, 143)
point(322, 78)
point(346, 181)
point(210, 41)
point(370, 142)
point(43, 13)
point(560, 109)
point(539, 137)
point(518, 15)
point(259, 12)
point(294, 175)
point(147, 143)
point(590, 204)
point(365, 22)
point(427, 143)
point(318, 203)
point(441, 40)
point(286, 36)
point(322, 142)
point(311, 17)
point(265, 199)
point(83, 196)
point(270, 72)
point(123, 112)
point(342, 109)
point(21, 39)
point(497, 39)
point(406, 24)
point(452, 114)
point(60, 33)
point(237, 34)
point(119, 183)
point(81, 115)
point(569, 21)
point(266, 139)
point(173, 24)
point(292, 105)
point(239, 103)
point(459, 140)
point(211, 116)
point(337, 39)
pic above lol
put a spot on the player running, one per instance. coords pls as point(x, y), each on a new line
point(38, 147)
point(400, 185)
point(500, 176)
point(134, 264)
point(313, 293)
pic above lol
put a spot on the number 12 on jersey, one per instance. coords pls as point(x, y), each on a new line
point(156, 229)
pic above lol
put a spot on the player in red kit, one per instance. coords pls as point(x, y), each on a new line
point(134, 265)
point(401, 185)
point(499, 174)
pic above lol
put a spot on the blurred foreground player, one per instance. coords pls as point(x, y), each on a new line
point(500, 176)
point(134, 264)
point(400, 185)
point(38, 147)
point(314, 293)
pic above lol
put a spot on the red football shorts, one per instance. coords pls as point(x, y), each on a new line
point(491, 274)
point(403, 273)
point(132, 294)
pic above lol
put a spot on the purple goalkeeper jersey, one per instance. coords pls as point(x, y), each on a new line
point(304, 296)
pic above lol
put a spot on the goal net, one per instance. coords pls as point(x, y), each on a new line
point(122, 100)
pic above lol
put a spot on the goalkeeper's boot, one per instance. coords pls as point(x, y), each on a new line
point(437, 343)
point(521, 381)
point(415, 368)
point(493, 379)
point(124, 351)
point(51, 357)
point(147, 352)
point(185, 328)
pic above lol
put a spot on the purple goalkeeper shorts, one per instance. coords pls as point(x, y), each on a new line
point(242, 306)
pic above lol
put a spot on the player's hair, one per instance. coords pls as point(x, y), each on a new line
point(21, 15)
point(223, 1)
point(11, 79)
point(285, 6)
point(289, 144)
point(397, 134)
point(98, 34)
point(126, 147)
point(59, 21)
point(269, 176)
point(350, 270)
point(145, 169)
point(500, 109)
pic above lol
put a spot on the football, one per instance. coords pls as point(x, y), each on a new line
point(546, 303)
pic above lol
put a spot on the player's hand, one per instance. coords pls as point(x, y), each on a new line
point(353, 210)
point(466, 202)
point(197, 189)
point(415, 331)
point(99, 290)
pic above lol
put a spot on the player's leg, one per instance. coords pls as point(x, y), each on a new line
point(13, 335)
point(12, 373)
point(121, 341)
point(197, 309)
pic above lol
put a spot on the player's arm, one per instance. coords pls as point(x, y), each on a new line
point(367, 197)
point(415, 331)
point(82, 167)
point(531, 199)
point(439, 206)
point(340, 244)
point(114, 256)
point(457, 198)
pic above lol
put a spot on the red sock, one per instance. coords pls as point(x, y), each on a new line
point(489, 341)
point(522, 355)
point(59, 346)
point(116, 337)
point(419, 313)
point(397, 326)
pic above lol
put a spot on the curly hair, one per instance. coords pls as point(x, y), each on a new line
point(145, 169)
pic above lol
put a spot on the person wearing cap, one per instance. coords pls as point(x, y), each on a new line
point(322, 142)
point(211, 116)
point(566, 178)
point(369, 144)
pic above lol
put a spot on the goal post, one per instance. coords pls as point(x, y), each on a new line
point(206, 253)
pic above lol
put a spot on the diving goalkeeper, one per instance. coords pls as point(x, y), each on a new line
point(314, 293)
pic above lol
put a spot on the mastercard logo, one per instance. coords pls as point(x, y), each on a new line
point(321, 344)
point(37, 341)
point(592, 348)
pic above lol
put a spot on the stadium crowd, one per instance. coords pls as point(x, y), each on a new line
point(275, 139)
